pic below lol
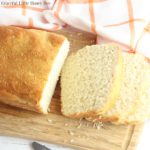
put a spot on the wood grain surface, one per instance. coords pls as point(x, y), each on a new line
point(55, 128)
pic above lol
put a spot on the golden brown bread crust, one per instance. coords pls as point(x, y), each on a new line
point(81, 114)
point(10, 99)
point(93, 117)
point(27, 57)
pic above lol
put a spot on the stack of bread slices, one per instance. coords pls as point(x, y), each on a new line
point(103, 83)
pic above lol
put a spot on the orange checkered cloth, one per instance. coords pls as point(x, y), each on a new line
point(125, 22)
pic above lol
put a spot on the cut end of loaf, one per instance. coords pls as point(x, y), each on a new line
point(53, 77)
point(87, 78)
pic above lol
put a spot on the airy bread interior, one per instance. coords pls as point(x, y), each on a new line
point(133, 65)
point(87, 80)
point(131, 92)
point(53, 76)
point(140, 110)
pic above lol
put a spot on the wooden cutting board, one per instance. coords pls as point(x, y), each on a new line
point(55, 128)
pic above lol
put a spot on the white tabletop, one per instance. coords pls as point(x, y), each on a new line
point(9, 143)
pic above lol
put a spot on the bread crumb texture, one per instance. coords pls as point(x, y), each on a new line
point(87, 78)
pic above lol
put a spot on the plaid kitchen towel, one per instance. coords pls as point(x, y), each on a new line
point(125, 22)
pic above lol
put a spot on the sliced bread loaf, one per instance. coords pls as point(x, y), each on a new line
point(94, 88)
point(130, 86)
point(88, 78)
point(134, 100)
point(141, 107)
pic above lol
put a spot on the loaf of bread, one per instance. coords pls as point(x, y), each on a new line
point(30, 64)
point(100, 85)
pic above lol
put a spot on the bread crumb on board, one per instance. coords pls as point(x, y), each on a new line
point(50, 121)
point(94, 122)
point(72, 140)
point(71, 132)
point(97, 125)
point(64, 141)
point(66, 124)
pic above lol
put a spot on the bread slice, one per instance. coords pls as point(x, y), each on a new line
point(133, 65)
point(88, 78)
point(134, 84)
point(30, 64)
point(141, 106)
